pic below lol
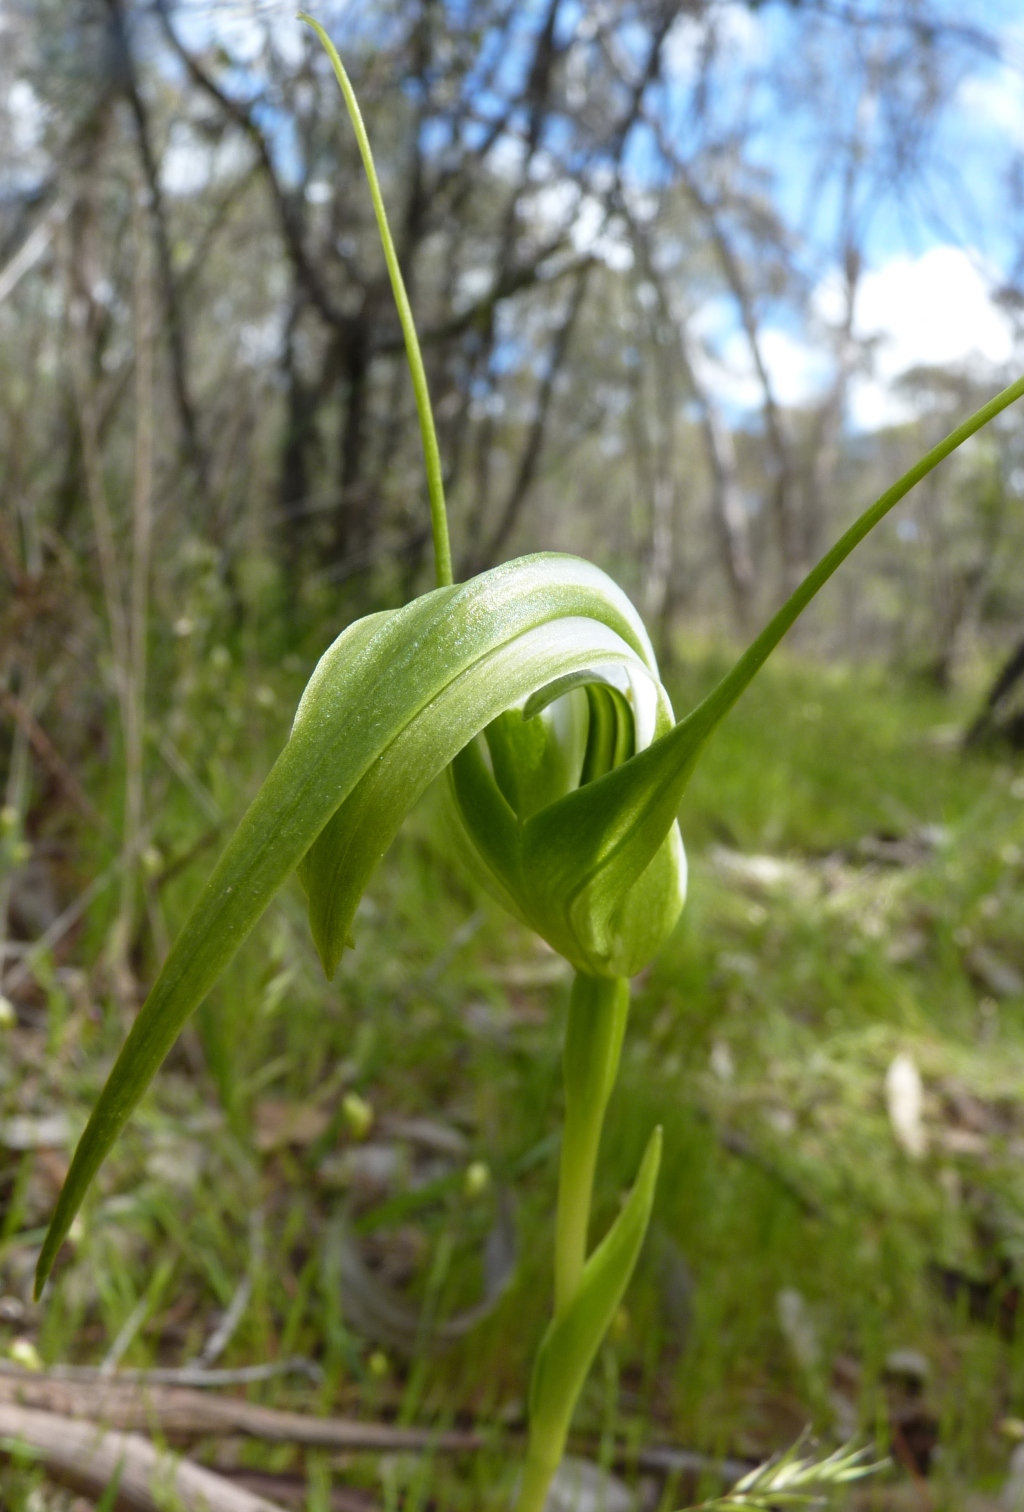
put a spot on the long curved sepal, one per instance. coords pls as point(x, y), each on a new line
point(572, 1340)
point(581, 854)
point(395, 698)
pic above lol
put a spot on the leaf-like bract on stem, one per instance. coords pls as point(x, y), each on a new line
point(568, 1348)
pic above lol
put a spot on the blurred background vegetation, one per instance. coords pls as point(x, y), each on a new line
point(619, 222)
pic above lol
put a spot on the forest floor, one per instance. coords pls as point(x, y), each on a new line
point(822, 1251)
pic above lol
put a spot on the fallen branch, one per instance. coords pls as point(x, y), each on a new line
point(189, 1375)
point(89, 1460)
point(177, 1412)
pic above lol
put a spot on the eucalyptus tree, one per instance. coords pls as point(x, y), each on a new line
point(521, 143)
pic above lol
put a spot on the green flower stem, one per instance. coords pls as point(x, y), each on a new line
point(593, 1041)
point(573, 1338)
point(432, 455)
point(538, 1473)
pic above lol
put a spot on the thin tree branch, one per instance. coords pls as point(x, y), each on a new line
point(530, 457)
point(285, 205)
point(90, 1460)
point(51, 758)
point(710, 213)
point(180, 1412)
point(175, 325)
point(728, 511)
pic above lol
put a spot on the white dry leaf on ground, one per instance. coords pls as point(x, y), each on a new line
point(580, 1486)
point(279, 1123)
point(798, 1328)
point(1011, 1497)
point(52, 1131)
point(904, 1098)
point(721, 1061)
point(772, 874)
point(178, 1163)
point(373, 1170)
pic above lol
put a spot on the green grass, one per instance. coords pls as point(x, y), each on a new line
point(890, 918)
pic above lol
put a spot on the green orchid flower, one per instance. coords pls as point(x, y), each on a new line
point(548, 661)
point(535, 689)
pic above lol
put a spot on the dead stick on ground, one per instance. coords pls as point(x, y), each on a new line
point(89, 1459)
point(179, 1412)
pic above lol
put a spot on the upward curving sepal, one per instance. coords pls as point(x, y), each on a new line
point(580, 853)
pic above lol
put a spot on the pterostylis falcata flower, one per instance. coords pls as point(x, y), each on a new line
point(535, 688)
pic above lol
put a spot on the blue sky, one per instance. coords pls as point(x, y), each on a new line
point(934, 252)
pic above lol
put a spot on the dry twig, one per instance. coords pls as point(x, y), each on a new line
point(90, 1459)
point(178, 1412)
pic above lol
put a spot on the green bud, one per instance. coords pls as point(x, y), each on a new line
point(358, 1115)
point(476, 1180)
point(152, 860)
point(24, 1353)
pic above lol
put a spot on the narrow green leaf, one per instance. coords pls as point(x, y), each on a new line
point(572, 1340)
